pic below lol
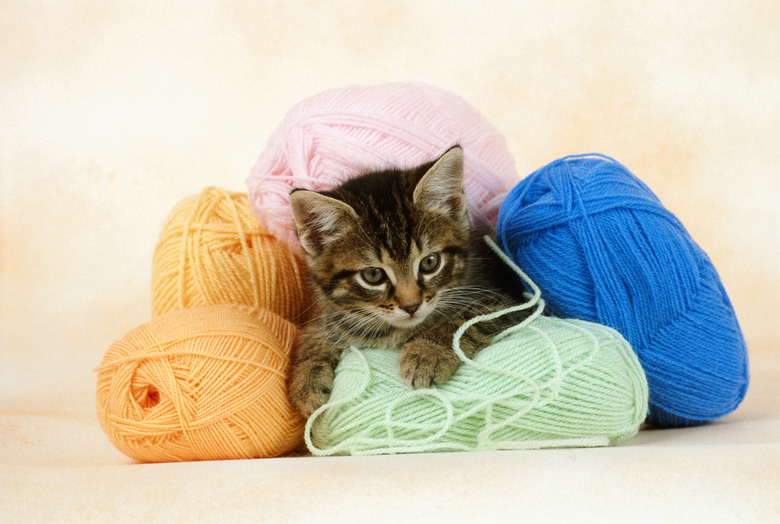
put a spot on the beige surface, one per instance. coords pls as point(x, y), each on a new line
point(111, 114)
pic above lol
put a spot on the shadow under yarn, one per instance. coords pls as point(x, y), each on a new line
point(603, 248)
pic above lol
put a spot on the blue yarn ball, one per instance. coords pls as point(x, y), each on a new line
point(603, 248)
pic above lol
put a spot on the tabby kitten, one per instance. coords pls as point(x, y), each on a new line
point(395, 263)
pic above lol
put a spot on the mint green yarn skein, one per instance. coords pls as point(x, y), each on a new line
point(545, 383)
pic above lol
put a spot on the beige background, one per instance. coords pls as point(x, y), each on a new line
point(110, 113)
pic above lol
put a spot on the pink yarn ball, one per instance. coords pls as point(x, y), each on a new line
point(335, 135)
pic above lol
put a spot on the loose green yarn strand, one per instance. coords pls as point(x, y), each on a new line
point(534, 300)
point(546, 382)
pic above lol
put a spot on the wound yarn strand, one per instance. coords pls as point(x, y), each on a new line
point(336, 134)
point(212, 250)
point(603, 248)
point(206, 383)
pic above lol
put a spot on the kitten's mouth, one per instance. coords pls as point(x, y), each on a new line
point(404, 320)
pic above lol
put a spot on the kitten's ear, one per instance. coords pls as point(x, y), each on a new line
point(319, 219)
point(441, 187)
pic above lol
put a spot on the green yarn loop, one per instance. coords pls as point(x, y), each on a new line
point(544, 383)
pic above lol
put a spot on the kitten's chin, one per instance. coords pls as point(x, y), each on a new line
point(406, 323)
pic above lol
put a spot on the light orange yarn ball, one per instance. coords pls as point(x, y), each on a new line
point(201, 384)
point(212, 250)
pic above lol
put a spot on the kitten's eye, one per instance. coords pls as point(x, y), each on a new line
point(430, 263)
point(373, 275)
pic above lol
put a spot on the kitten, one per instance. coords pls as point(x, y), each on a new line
point(395, 263)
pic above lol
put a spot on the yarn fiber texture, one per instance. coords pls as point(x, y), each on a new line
point(545, 383)
point(603, 248)
point(340, 133)
point(201, 384)
point(212, 250)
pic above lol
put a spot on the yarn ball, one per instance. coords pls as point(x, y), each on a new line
point(543, 384)
point(335, 135)
point(603, 248)
point(206, 383)
point(212, 250)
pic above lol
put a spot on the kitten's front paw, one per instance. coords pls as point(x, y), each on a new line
point(310, 387)
point(423, 363)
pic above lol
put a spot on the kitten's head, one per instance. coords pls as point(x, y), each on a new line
point(383, 247)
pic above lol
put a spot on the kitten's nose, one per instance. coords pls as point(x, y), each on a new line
point(411, 308)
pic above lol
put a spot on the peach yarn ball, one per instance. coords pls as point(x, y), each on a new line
point(340, 133)
point(201, 384)
point(212, 250)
